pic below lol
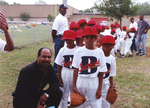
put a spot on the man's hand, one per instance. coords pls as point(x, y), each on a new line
point(39, 106)
point(144, 31)
point(61, 82)
point(3, 22)
point(42, 100)
point(98, 93)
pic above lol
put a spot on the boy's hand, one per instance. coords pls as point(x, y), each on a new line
point(98, 93)
point(75, 90)
point(61, 82)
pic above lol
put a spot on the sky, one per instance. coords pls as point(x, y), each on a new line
point(78, 4)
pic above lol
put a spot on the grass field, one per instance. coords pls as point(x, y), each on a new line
point(132, 80)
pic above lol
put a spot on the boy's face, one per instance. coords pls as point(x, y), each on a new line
point(98, 42)
point(107, 47)
point(75, 29)
point(112, 32)
point(79, 41)
point(98, 31)
point(89, 39)
point(82, 25)
point(69, 42)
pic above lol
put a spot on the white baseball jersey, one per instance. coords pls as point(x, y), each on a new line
point(2, 45)
point(132, 36)
point(89, 62)
point(64, 59)
point(111, 66)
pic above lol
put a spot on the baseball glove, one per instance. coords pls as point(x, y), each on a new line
point(76, 99)
point(111, 95)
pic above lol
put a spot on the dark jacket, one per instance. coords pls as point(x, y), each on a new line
point(29, 80)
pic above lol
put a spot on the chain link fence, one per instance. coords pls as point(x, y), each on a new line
point(25, 33)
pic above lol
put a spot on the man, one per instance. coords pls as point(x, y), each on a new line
point(8, 45)
point(32, 80)
point(59, 26)
point(143, 27)
point(133, 24)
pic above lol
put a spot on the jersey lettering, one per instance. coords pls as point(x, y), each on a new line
point(89, 65)
point(68, 61)
point(108, 69)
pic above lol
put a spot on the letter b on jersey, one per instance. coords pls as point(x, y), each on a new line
point(68, 61)
point(88, 65)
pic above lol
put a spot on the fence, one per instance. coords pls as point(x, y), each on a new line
point(25, 33)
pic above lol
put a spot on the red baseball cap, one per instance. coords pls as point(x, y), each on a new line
point(79, 33)
point(69, 34)
point(106, 27)
point(133, 29)
point(82, 21)
point(113, 30)
point(98, 27)
point(108, 39)
point(89, 30)
point(74, 25)
point(118, 26)
point(112, 25)
point(103, 26)
point(91, 22)
point(124, 27)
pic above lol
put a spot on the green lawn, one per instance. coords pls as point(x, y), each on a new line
point(132, 80)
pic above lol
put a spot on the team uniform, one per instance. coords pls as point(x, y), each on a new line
point(122, 41)
point(89, 63)
point(118, 32)
point(128, 43)
point(2, 45)
point(111, 67)
point(64, 59)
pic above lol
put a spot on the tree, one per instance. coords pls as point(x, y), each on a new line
point(40, 2)
point(88, 10)
point(3, 2)
point(144, 8)
point(24, 16)
point(116, 8)
point(50, 18)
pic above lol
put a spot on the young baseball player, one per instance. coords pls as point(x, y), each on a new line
point(98, 42)
point(122, 41)
point(114, 50)
point(79, 40)
point(74, 26)
point(129, 37)
point(65, 70)
point(89, 64)
point(108, 43)
point(98, 28)
point(91, 23)
point(82, 23)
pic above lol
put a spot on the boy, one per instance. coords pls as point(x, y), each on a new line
point(79, 40)
point(91, 23)
point(98, 42)
point(64, 66)
point(98, 28)
point(82, 23)
point(129, 37)
point(108, 43)
point(122, 41)
point(74, 26)
point(89, 64)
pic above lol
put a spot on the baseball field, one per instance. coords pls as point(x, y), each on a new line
point(132, 81)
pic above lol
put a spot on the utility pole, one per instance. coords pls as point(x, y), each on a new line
point(65, 2)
